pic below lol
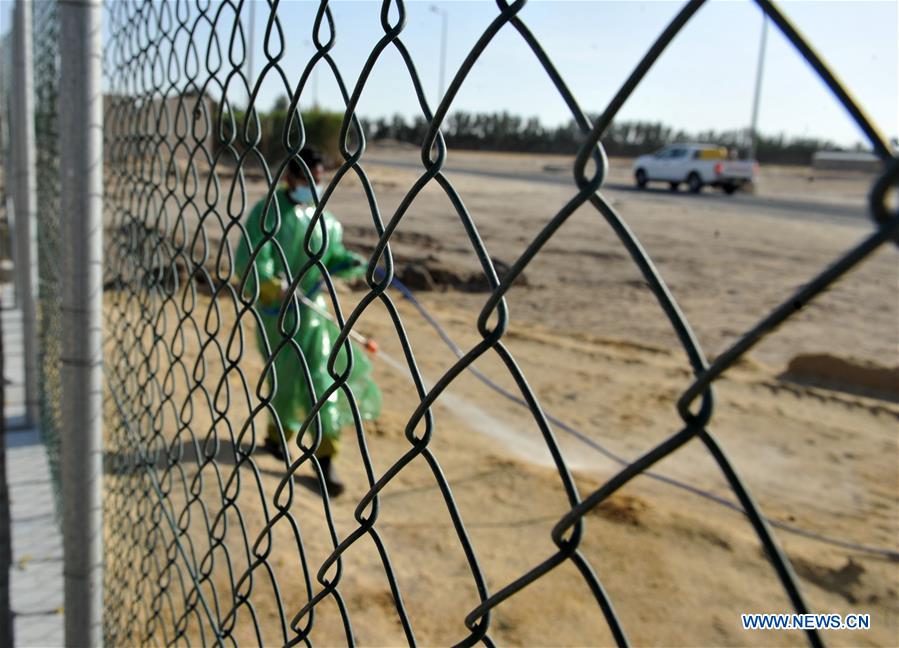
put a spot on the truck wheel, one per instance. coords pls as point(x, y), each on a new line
point(694, 182)
point(729, 188)
point(641, 178)
point(674, 186)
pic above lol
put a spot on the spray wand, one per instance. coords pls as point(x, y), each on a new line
point(367, 343)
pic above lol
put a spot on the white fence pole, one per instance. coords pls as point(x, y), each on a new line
point(25, 199)
point(81, 198)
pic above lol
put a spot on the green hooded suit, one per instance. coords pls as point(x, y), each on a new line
point(316, 333)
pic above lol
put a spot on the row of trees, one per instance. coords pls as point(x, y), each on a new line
point(506, 132)
point(503, 131)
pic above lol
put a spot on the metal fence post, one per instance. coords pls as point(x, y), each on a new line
point(25, 198)
point(81, 196)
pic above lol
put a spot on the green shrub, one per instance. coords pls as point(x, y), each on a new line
point(322, 132)
point(322, 129)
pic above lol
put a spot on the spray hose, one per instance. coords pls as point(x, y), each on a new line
point(371, 346)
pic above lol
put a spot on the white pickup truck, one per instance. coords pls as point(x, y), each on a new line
point(697, 165)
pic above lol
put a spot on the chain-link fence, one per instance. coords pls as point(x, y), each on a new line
point(211, 540)
point(49, 304)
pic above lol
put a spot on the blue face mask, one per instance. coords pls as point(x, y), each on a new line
point(303, 194)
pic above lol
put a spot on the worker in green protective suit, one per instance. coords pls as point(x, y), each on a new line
point(317, 331)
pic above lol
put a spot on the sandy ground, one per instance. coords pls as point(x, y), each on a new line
point(809, 421)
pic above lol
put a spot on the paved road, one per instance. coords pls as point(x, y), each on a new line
point(799, 208)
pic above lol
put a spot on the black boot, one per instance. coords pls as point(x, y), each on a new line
point(274, 448)
point(333, 483)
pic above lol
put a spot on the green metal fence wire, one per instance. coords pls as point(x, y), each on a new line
point(183, 476)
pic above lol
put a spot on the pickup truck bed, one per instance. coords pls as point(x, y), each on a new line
point(696, 165)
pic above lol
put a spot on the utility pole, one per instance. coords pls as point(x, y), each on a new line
point(753, 128)
point(251, 47)
point(313, 78)
point(443, 30)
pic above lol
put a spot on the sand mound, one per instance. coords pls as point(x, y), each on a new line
point(848, 375)
point(431, 274)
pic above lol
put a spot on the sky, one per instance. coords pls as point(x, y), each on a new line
point(705, 80)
